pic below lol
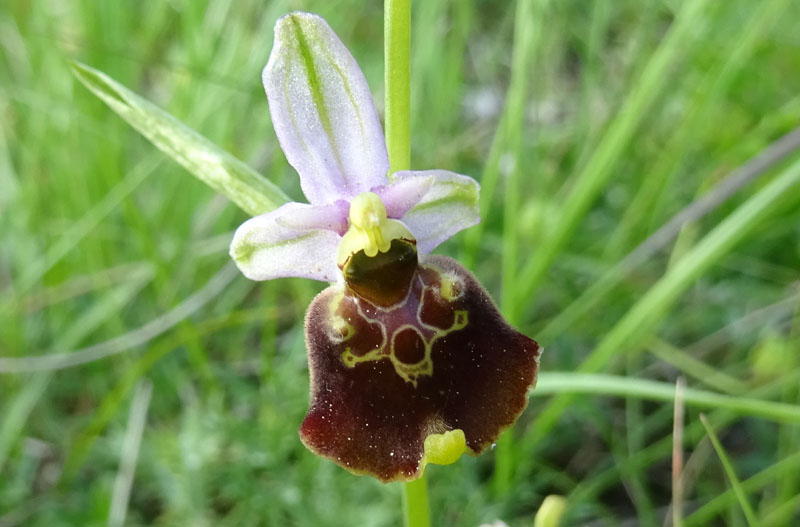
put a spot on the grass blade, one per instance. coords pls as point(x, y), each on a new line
point(16, 413)
point(759, 165)
point(79, 230)
point(643, 317)
point(705, 514)
point(130, 453)
point(677, 455)
point(550, 383)
point(599, 168)
point(689, 365)
point(208, 162)
point(692, 129)
point(131, 339)
point(528, 31)
point(749, 513)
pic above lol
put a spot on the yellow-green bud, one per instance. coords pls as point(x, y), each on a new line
point(446, 448)
point(550, 512)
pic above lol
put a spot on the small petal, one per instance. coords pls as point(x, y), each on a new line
point(396, 387)
point(264, 248)
point(450, 206)
point(404, 193)
point(323, 112)
point(331, 217)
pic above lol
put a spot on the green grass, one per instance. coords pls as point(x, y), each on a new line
point(588, 124)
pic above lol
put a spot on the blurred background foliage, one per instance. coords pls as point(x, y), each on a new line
point(617, 112)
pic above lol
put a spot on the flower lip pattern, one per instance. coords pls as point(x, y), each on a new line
point(410, 361)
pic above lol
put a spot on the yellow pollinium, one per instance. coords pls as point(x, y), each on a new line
point(446, 448)
point(370, 230)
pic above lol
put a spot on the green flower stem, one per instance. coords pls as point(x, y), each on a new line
point(397, 51)
point(415, 503)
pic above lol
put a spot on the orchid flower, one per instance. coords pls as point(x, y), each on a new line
point(410, 361)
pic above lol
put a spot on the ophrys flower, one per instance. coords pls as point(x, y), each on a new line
point(410, 360)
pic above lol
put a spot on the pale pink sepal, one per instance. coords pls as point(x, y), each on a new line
point(449, 206)
point(331, 217)
point(323, 112)
point(405, 191)
point(263, 248)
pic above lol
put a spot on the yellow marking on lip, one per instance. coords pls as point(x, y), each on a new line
point(341, 330)
point(350, 359)
point(409, 372)
point(449, 288)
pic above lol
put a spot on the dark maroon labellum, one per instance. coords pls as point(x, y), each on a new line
point(402, 352)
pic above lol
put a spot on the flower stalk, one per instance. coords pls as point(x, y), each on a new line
point(416, 511)
point(397, 51)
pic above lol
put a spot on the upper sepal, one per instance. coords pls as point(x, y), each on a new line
point(323, 112)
